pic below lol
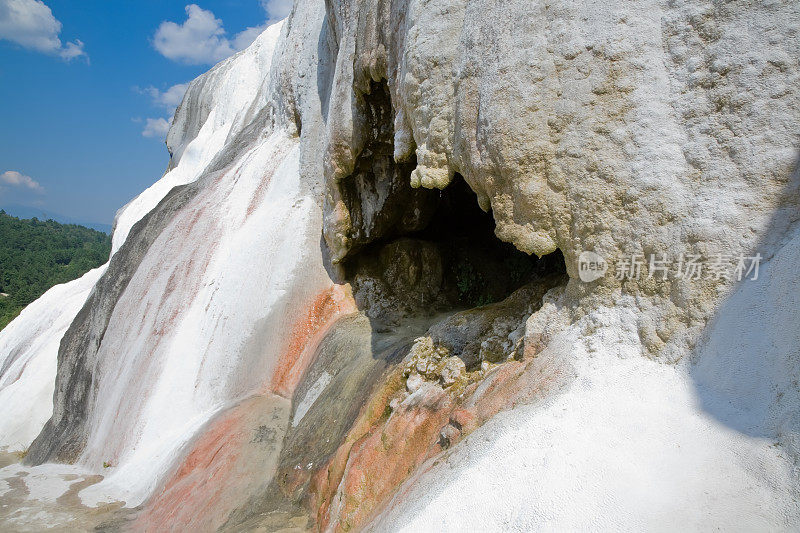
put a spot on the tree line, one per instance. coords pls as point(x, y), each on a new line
point(37, 254)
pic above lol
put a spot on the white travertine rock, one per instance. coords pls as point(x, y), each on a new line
point(634, 444)
point(216, 107)
point(617, 127)
point(28, 358)
point(620, 128)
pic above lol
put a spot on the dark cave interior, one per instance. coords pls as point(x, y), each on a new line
point(428, 249)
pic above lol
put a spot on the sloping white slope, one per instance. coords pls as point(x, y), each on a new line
point(217, 106)
point(748, 363)
point(636, 445)
point(28, 356)
point(200, 324)
point(188, 336)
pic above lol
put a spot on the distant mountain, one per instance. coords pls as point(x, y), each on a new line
point(26, 212)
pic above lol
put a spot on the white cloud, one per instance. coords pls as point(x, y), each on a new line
point(202, 38)
point(172, 97)
point(277, 9)
point(156, 127)
point(16, 179)
point(73, 50)
point(169, 99)
point(246, 37)
point(31, 24)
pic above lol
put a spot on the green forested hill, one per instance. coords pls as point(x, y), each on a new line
point(35, 255)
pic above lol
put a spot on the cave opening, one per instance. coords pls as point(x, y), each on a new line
point(422, 251)
point(454, 261)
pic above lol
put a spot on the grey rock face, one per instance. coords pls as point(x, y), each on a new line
point(404, 279)
point(378, 195)
point(485, 333)
point(64, 435)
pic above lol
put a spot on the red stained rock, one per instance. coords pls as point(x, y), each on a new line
point(306, 334)
point(216, 474)
point(372, 464)
point(198, 482)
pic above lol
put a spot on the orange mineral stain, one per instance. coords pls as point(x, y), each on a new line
point(306, 334)
point(232, 458)
point(381, 453)
point(199, 481)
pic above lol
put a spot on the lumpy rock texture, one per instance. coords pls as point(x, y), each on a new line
point(616, 127)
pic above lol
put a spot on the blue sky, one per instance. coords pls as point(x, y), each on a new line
point(86, 89)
